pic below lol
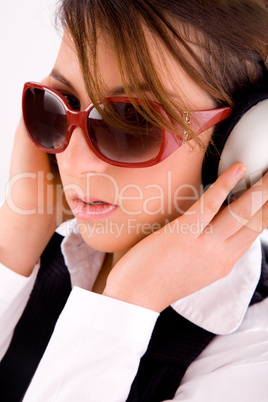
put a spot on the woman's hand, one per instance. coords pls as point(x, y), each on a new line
point(34, 205)
point(177, 261)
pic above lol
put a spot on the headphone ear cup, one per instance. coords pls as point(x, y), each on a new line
point(248, 143)
point(243, 137)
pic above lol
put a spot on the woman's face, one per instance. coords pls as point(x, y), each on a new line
point(114, 206)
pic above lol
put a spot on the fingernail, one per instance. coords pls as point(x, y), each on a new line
point(240, 172)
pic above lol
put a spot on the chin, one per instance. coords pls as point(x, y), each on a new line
point(111, 242)
point(108, 243)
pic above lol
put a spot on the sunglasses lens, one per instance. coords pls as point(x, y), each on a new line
point(45, 118)
point(136, 142)
point(141, 145)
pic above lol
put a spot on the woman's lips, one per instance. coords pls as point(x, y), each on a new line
point(92, 210)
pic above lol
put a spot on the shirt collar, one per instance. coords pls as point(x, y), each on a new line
point(219, 308)
point(82, 261)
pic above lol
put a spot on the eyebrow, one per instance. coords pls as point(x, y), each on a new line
point(59, 77)
point(121, 90)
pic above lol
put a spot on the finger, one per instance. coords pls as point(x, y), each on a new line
point(240, 212)
point(205, 209)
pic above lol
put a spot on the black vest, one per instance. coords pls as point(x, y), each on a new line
point(174, 344)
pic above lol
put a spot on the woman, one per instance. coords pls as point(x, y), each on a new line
point(144, 237)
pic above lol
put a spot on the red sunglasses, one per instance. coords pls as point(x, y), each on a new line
point(50, 123)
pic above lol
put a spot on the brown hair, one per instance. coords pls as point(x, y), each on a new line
point(232, 36)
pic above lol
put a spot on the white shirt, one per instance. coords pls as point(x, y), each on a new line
point(94, 352)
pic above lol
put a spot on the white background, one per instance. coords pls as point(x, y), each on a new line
point(29, 44)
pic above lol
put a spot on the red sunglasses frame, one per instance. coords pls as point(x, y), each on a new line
point(170, 142)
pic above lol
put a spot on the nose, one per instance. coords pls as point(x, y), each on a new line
point(78, 159)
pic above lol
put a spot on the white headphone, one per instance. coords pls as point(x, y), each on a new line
point(243, 137)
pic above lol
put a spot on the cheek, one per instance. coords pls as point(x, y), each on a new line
point(166, 190)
